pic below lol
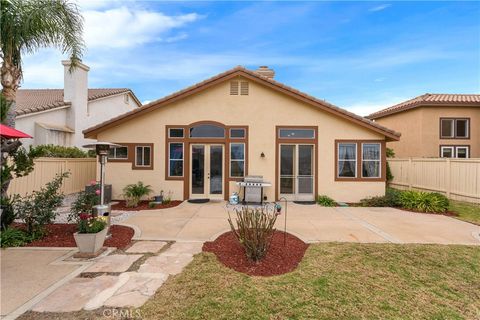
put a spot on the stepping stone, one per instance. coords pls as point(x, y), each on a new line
point(74, 294)
point(167, 264)
point(191, 248)
point(138, 289)
point(114, 263)
point(146, 247)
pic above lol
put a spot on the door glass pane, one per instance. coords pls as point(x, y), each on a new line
point(198, 169)
point(305, 185)
point(216, 169)
point(286, 159)
point(286, 185)
point(447, 128)
point(305, 160)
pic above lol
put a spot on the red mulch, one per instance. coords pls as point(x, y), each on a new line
point(280, 259)
point(143, 205)
point(61, 235)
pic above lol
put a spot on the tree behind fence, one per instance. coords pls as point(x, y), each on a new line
point(458, 179)
point(82, 172)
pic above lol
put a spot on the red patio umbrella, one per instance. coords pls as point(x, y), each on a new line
point(11, 133)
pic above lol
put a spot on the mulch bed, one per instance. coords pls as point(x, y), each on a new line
point(61, 235)
point(143, 205)
point(280, 259)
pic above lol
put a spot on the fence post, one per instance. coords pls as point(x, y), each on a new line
point(449, 177)
point(410, 174)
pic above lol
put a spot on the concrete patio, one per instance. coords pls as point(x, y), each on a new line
point(311, 223)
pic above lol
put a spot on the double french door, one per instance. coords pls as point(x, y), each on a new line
point(297, 172)
point(206, 169)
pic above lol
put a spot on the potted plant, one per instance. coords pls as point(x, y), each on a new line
point(159, 198)
point(91, 233)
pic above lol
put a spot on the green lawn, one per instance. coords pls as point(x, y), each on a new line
point(334, 281)
point(469, 212)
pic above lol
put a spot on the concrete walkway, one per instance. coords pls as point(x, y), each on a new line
point(311, 223)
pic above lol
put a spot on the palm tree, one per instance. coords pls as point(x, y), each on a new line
point(29, 25)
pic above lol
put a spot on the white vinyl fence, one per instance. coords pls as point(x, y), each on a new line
point(458, 179)
point(82, 171)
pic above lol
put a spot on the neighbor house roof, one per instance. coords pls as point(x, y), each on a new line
point(241, 71)
point(35, 100)
point(430, 99)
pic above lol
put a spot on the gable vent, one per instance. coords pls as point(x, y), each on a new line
point(244, 88)
point(234, 88)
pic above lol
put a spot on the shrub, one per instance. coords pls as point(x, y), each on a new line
point(424, 201)
point(83, 204)
point(8, 214)
point(326, 201)
point(53, 151)
point(90, 224)
point(38, 208)
point(254, 230)
point(390, 199)
point(390, 154)
point(152, 205)
point(12, 237)
point(134, 192)
point(168, 198)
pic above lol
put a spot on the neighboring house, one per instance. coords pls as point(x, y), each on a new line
point(200, 141)
point(435, 125)
point(58, 116)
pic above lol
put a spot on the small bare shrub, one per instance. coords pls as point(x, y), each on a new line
point(254, 230)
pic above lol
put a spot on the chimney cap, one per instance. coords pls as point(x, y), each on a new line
point(265, 71)
point(80, 65)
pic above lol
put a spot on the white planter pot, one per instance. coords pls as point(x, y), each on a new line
point(90, 242)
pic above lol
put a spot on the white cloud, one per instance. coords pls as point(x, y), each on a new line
point(128, 27)
point(379, 8)
point(364, 108)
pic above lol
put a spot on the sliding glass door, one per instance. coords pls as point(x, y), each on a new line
point(297, 172)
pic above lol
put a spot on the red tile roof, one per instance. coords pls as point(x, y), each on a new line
point(35, 100)
point(242, 71)
point(430, 99)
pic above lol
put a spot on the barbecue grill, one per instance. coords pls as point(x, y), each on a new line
point(253, 188)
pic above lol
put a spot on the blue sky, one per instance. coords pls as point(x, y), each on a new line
point(362, 56)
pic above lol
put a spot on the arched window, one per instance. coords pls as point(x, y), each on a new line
point(207, 131)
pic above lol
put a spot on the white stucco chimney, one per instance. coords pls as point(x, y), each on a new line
point(75, 91)
point(266, 72)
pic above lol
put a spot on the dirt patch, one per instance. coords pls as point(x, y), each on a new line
point(61, 235)
point(144, 205)
point(280, 258)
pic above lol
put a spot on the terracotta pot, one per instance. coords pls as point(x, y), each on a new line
point(90, 242)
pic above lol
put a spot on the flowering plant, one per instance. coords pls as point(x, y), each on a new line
point(90, 224)
point(85, 202)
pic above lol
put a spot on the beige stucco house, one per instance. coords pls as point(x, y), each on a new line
point(435, 125)
point(199, 142)
point(58, 116)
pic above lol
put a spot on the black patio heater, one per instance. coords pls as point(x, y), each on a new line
point(101, 149)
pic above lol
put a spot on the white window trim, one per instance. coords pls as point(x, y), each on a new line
point(237, 160)
point(452, 148)
point(379, 161)
point(467, 148)
point(183, 160)
point(305, 129)
point(136, 156)
point(467, 129)
point(338, 160)
point(170, 137)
